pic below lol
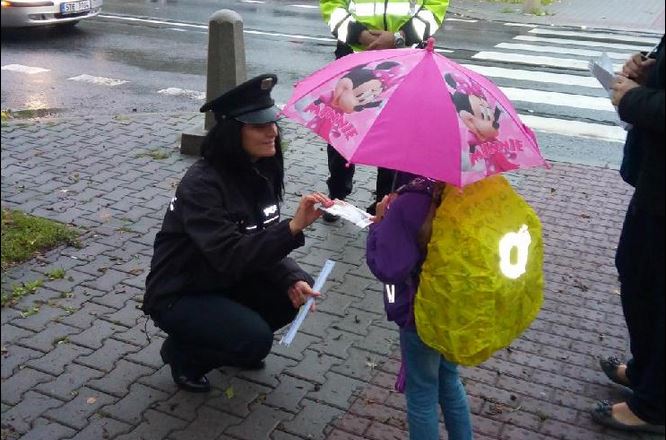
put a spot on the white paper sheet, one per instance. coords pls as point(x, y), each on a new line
point(349, 212)
point(305, 308)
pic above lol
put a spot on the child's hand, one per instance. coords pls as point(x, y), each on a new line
point(382, 207)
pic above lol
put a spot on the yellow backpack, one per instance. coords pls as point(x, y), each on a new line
point(481, 284)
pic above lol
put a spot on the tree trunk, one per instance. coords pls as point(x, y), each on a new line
point(532, 6)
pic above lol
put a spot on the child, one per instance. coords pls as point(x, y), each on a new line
point(396, 248)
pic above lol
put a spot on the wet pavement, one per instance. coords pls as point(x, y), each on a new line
point(83, 362)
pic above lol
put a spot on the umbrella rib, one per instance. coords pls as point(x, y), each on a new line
point(404, 79)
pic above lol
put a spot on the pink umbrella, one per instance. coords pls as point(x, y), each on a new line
point(417, 111)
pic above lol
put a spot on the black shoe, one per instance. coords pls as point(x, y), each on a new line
point(330, 218)
point(372, 209)
point(602, 413)
point(610, 366)
point(193, 385)
point(259, 365)
point(187, 382)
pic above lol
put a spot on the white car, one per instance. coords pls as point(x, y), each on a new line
point(28, 13)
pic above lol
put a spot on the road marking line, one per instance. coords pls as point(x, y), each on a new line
point(562, 50)
point(609, 133)
point(304, 6)
point(519, 25)
point(535, 76)
point(616, 46)
point(464, 20)
point(201, 26)
point(558, 99)
point(294, 36)
point(98, 80)
point(175, 91)
point(30, 70)
point(252, 1)
point(534, 60)
point(146, 20)
point(598, 36)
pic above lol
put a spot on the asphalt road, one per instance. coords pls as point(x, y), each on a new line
point(150, 56)
point(156, 55)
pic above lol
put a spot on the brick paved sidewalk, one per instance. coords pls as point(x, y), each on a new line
point(82, 367)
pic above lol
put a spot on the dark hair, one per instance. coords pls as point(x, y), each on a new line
point(223, 148)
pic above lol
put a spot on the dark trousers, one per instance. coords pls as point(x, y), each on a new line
point(341, 175)
point(640, 263)
point(208, 331)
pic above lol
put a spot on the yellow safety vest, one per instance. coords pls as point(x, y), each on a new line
point(425, 16)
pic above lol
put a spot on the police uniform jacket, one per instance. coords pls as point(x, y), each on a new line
point(222, 233)
point(418, 19)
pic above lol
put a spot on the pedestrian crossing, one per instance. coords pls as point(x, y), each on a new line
point(545, 73)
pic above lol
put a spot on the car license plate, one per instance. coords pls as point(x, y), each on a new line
point(74, 7)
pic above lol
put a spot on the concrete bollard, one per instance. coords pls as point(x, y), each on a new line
point(225, 69)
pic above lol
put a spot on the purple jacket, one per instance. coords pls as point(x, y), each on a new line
point(393, 253)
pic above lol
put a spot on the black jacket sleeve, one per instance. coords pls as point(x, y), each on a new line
point(232, 253)
point(643, 107)
point(285, 273)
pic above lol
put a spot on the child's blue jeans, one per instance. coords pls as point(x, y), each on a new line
point(431, 379)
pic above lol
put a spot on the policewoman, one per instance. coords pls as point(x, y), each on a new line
point(220, 281)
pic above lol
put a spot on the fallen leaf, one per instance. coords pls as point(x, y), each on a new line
point(229, 392)
point(91, 400)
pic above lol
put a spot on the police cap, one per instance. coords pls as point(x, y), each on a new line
point(249, 102)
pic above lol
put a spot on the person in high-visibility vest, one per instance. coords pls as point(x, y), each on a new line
point(369, 25)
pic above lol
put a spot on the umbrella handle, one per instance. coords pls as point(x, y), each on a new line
point(430, 44)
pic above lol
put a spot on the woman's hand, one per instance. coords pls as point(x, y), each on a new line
point(637, 68)
point(299, 293)
point(306, 213)
point(620, 87)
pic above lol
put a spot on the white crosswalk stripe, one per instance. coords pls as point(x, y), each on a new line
point(175, 91)
point(545, 73)
point(597, 36)
point(30, 70)
point(562, 50)
point(534, 60)
point(100, 80)
point(599, 44)
point(529, 75)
